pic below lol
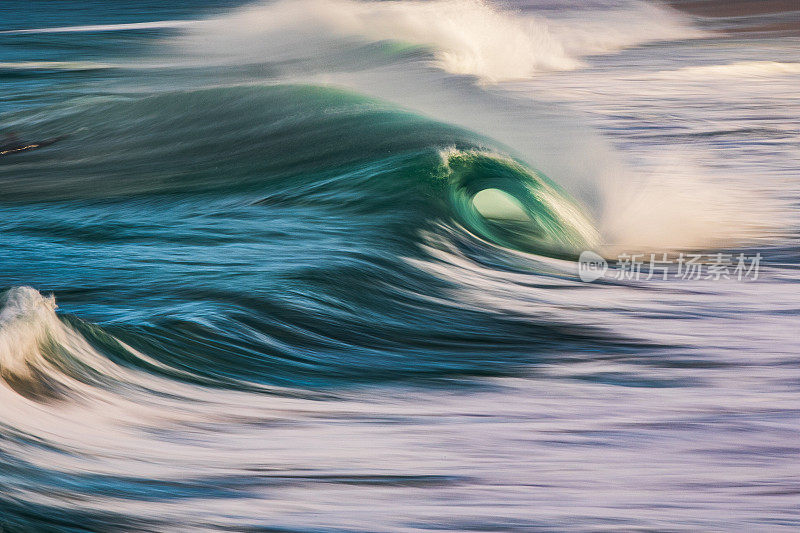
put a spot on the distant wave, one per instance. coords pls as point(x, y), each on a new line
point(54, 65)
point(160, 24)
point(466, 36)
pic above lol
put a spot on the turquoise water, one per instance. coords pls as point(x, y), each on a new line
point(311, 266)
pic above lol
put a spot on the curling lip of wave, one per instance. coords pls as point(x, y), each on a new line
point(468, 37)
point(546, 220)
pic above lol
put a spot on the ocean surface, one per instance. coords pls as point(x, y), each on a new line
point(312, 266)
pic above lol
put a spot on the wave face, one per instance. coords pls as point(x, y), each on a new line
point(433, 169)
point(310, 266)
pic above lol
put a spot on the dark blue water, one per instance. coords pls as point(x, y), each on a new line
point(311, 266)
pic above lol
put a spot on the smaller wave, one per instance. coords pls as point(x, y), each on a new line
point(155, 25)
point(741, 69)
point(43, 357)
point(28, 324)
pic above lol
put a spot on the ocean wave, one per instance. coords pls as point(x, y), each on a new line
point(322, 146)
point(466, 36)
point(385, 153)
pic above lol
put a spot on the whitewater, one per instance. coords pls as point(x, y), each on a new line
point(312, 265)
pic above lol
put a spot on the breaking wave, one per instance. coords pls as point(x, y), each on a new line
point(466, 36)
